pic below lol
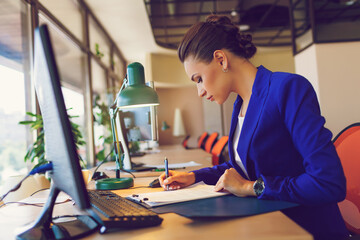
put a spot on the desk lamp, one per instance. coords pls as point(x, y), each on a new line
point(133, 93)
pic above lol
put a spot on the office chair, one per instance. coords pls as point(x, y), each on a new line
point(218, 151)
point(347, 144)
point(202, 139)
point(210, 141)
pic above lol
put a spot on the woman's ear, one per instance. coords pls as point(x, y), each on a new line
point(221, 59)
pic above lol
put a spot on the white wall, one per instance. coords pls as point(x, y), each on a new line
point(338, 80)
point(212, 117)
point(166, 70)
point(306, 65)
point(275, 59)
point(175, 90)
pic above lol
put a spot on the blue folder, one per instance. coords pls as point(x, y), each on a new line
point(225, 206)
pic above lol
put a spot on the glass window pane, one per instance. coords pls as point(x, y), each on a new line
point(68, 13)
point(337, 21)
point(301, 24)
point(98, 43)
point(71, 62)
point(98, 80)
point(15, 89)
point(102, 101)
point(119, 67)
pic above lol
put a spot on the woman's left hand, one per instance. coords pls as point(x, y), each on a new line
point(231, 181)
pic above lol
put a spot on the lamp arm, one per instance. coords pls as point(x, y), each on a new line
point(117, 149)
point(119, 156)
point(125, 81)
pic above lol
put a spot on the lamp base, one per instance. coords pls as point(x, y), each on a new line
point(114, 183)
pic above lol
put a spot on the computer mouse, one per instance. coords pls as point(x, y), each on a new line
point(155, 183)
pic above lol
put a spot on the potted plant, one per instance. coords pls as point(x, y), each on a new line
point(36, 151)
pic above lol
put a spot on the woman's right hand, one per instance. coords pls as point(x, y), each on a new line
point(177, 180)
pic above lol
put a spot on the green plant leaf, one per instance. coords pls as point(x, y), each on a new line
point(31, 114)
point(36, 151)
point(26, 122)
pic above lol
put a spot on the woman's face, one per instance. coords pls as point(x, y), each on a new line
point(209, 78)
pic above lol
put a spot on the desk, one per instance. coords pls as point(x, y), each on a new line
point(175, 154)
point(274, 225)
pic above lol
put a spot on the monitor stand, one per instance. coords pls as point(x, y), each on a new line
point(45, 228)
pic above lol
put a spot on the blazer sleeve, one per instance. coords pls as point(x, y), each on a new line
point(211, 175)
point(323, 180)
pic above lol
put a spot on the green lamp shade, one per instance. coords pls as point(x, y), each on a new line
point(137, 94)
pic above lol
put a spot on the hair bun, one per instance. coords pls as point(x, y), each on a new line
point(216, 33)
point(223, 22)
point(245, 41)
point(218, 20)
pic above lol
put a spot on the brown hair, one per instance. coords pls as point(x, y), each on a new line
point(216, 33)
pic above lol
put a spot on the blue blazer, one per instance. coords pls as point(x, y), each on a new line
point(284, 141)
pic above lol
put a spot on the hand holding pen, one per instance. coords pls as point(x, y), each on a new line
point(172, 180)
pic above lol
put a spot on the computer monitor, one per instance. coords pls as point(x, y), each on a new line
point(137, 124)
point(60, 149)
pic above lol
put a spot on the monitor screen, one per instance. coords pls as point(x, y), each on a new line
point(137, 124)
point(60, 146)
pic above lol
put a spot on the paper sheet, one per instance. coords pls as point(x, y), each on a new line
point(194, 192)
point(176, 165)
point(160, 166)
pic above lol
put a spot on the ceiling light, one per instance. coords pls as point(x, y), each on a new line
point(244, 27)
point(350, 2)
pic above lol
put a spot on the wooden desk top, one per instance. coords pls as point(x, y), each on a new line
point(274, 225)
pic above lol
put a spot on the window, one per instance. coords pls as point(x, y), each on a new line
point(65, 20)
point(70, 61)
point(68, 13)
point(103, 100)
point(15, 93)
point(99, 45)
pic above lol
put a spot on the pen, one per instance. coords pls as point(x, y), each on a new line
point(166, 171)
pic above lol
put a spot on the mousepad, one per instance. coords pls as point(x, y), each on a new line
point(225, 206)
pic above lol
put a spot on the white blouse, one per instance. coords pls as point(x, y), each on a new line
point(236, 142)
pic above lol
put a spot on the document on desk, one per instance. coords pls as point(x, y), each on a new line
point(176, 165)
point(193, 192)
point(159, 166)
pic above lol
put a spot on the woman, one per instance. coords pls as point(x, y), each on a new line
point(279, 148)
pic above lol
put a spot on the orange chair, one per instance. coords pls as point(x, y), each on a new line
point(210, 141)
point(218, 150)
point(202, 139)
point(347, 144)
point(185, 142)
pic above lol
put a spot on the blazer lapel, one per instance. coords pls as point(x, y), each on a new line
point(234, 122)
point(234, 117)
point(253, 112)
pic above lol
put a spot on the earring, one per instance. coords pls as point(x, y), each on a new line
point(225, 70)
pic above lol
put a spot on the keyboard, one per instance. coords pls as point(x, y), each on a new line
point(118, 212)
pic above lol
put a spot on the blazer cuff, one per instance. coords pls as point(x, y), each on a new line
point(199, 176)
